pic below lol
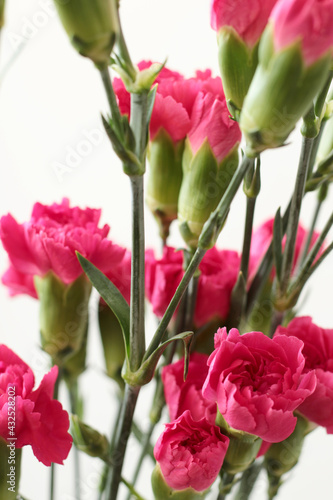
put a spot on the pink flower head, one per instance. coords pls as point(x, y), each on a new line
point(185, 395)
point(318, 353)
point(48, 242)
point(40, 420)
point(211, 122)
point(262, 238)
point(219, 271)
point(247, 18)
point(257, 382)
point(308, 21)
point(190, 453)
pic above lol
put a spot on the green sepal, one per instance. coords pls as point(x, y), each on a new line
point(146, 371)
point(144, 79)
point(242, 450)
point(150, 104)
point(164, 179)
point(325, 149)
point(163, 492)
point(88, 440)
point(277, 244)
point(74, 365)
point(237, 63)
point(112, 296)
point(252, 181)
point(91, 26)
point(7, 454)
point(281, 92)
point(63, 315)
point(204, 183)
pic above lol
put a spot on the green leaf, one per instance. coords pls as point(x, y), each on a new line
point(112, 296)
point(146, 371)
point(150, 103)
point(277, 244)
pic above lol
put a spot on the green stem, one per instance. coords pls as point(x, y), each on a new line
point(124, 54)
point(296, 202)
point(226, 484)
point(123, 433)
point(114, 109)
point(132, 490)
point(137, 312)
point(74, 400)
point(208, 236)
point(308, 241)
point(53, 472)
point(250, 208)
point(248, 480)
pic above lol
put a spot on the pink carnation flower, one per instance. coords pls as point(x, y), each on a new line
point(40, 420)
point(257, 382)
point(190, 453)
point(308, 21)
point(48, 242)
point(185, 395)
point(318, 353)
point(219, 271)
point(247, 18)
point(211, 122)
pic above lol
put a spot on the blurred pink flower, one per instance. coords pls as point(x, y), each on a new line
point(257, 382)
point(190, 453)
point(309, 22)
point(318, 354)
point(219, 271)
point(249, 18)
point(185, 395)
point(40, 420)
point(48, 242)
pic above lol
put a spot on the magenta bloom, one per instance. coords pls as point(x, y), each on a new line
point(318, 353)
point(190, 453)
point(185, 395)
point(211, 121)
point(40, 420)
point(257, 382)
point(248, 18)
point(48, 242)
point(219, 271)
point(308, 21)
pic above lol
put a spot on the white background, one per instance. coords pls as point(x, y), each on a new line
point(50, 98)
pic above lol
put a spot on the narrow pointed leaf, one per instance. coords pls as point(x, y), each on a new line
point(112, 296)
point(150, 103)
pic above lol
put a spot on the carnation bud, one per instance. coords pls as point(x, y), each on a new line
point(89, 440)
point(92, 26)
point(163, 492)
point(2, 13)
point(113, 343)
point(75, 365)
point(281, 92)
point(164, 179)
point(204, 183)
point(63, 315)
point(280, 458)
point(10, 460)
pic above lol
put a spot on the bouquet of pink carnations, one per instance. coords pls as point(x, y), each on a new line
point(238, 376)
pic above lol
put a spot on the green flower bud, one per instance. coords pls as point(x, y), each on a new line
point(89, 440)
point(238, 62)
point(280, 93)
point(92, 26)
point(2, 13)
point(63, 315)
point(163, 492)
point(10, 460)
point(204, 183)
point(326, 147)
point(282, 457)
point(164, 179)
point(75, 365)
point(113, 343)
